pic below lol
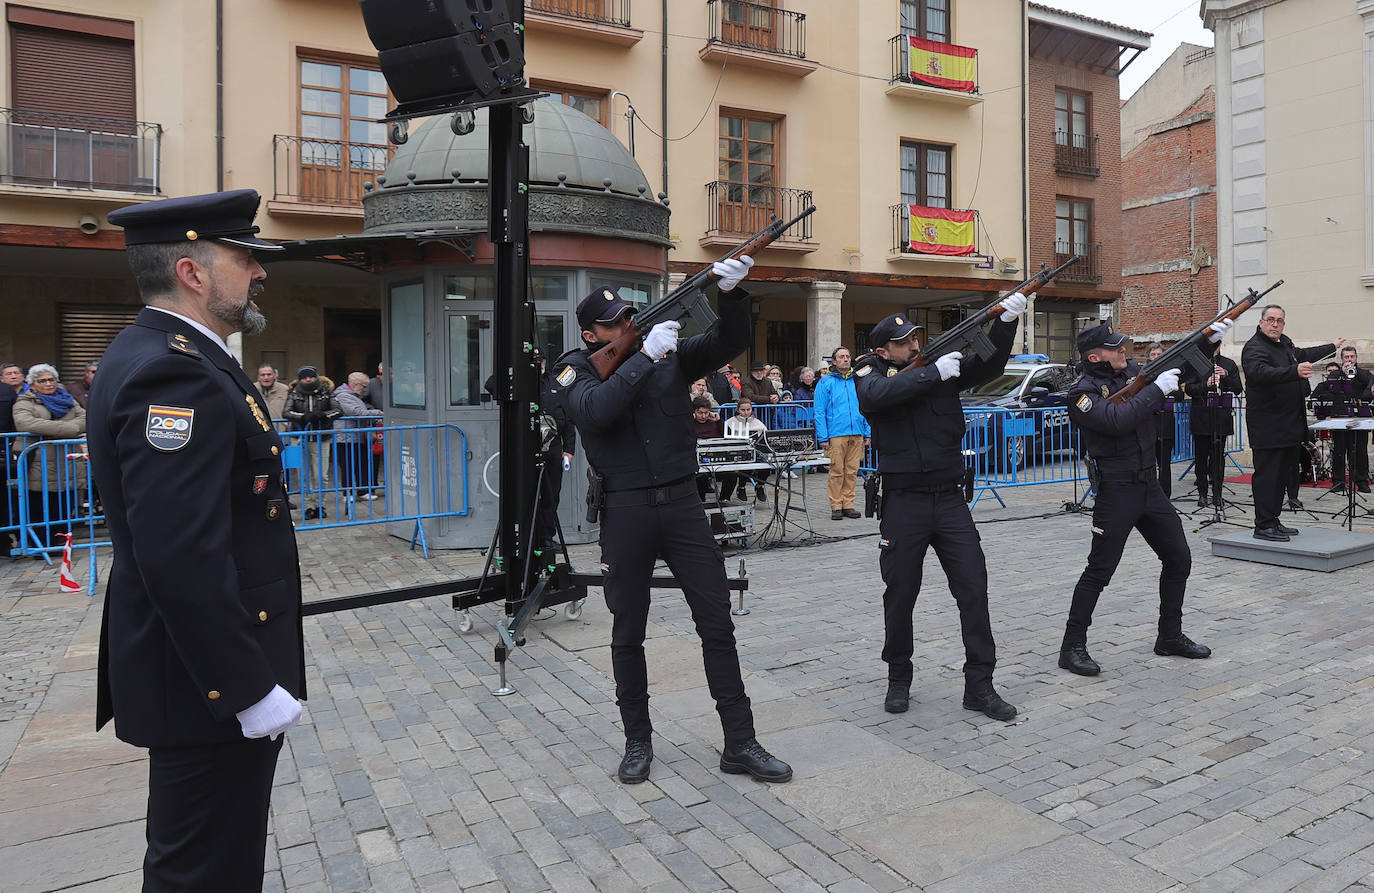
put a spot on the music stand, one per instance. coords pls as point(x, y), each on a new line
point(1353, 500)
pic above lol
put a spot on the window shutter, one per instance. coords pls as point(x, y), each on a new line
point(72, 73)
point(85, 330)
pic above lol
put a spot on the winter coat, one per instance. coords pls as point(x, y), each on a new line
point(315, 408)
point(352, 406)
point(837, 408)
point(31, 416)
point(1275, 411)
point(275, 398)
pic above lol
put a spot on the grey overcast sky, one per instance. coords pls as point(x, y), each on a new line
point(1170, 21)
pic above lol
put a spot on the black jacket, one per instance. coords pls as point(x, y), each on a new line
point(203, 601)
point(637, 425)
point(313, 407)
point(1275, 412)
point(1119, 437)
point(1337, 403)
point(917, 419)
point(1205, 419)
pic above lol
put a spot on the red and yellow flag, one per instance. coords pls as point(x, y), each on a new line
point(942, 65)
point(941, 231)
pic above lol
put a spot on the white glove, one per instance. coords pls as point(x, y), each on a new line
point(1219, 329)
point(730, 271)
point(1013, 305)
point(948, 365)
point(1167, 382)
point(662, 339)
point(271, 716)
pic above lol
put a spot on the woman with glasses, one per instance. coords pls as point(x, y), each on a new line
point(48, 410)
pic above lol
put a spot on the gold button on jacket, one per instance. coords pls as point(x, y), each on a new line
point(262, 615)
point(214, 696)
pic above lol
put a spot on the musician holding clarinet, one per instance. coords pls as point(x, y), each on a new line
point(1212, 422)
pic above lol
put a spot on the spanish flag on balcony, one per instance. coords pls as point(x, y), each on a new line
point(943, 65)
point(941, 230)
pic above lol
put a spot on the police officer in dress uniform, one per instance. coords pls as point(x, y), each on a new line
point(638, 431)
point(201, 657)
point(918, 429)
point(1120, 440)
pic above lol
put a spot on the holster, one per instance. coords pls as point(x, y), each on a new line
point(873, 496)
point(596, 496)
point(968, 484)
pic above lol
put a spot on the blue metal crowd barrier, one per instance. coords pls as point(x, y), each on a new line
point(56, 496)
point(776, 416)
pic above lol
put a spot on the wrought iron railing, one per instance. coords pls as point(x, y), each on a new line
point(1087, 271)
point(79, 151)
point(756, 26)
point(901, 231)
point(901, 66)
point(746, 208)
point(326, 172)
point(1076, 153)
point(606, 12)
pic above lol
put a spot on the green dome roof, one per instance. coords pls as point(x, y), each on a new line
point(562, 140)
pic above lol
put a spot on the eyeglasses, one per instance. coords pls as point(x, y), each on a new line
point(1275, 320)
point(45, 381)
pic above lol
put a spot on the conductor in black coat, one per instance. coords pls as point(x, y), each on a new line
point(1276, 388)
point(1211, 420)
point(637, 428)
point(201, 657)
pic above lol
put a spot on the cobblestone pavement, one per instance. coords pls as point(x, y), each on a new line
point(1250, 771)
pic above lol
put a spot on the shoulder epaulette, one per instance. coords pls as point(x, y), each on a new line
point(181, 344)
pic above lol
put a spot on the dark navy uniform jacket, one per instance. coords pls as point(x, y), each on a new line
point(203, 603)
point(917, 419)
point(1119, 437)
point(637, 425)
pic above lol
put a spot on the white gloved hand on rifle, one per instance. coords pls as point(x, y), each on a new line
point(662, 339)
point(948, 365)
point(1219, 329)
point(271, 716)
point(1013, 305)
point(731, 271)
point(1167, 382)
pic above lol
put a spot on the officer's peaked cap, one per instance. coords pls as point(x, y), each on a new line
point(891, 328)
point(602, 307)
point(1099, 336)
point(225, 217)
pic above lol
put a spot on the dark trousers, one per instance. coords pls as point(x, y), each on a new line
point(632, 538)
point(550, 491)
point(1164, 452)
point(912, 522)
point(1209, 463)
point(207, 815)
point(1346, 442)
point(352, 460)
point(1121, 508)
point(48, 517)
point(1273, 469)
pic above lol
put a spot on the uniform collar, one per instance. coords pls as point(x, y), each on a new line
point(198, 327)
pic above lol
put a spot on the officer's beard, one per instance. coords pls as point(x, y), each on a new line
point(244, 317)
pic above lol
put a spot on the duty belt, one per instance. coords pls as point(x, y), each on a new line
point(651, 495)
point(952, 487)
point(1139, 476)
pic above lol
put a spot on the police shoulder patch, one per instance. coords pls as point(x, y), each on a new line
point(863, 370)
point(567, 376)
point(1085, 403)
point(169, 427)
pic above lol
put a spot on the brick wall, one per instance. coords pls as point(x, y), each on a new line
point(1170, 239)
point(1046, 184)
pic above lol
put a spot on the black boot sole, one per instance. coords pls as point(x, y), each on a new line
point(896, 706)
point(1081, 671)
point(741, 769)
point(983, 709)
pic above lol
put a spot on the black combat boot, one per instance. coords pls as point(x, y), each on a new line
point(634, 766)
point(1075, 659)
point(1179, 645)
point(898, 696)
point(750, 758)
point(981, 696)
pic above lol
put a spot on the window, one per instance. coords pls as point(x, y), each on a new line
point(927, 19)
point(342, 144)
point(786, 345)
point(748, 24)
point(925, 174)
point(1071, 118)
point(747, 197)
point(591, 103)
point(407, 330)
point(1072, 225)
point(1055, 331)
point(85, 331)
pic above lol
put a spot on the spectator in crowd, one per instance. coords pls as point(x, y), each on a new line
point(723, 386)
point(775, 376)
point(745, 424)
point(311, 408)
point(50, 411)
point(699, 388)
point(81, 389)
point(11, 376)
point(756, 385)
point(842, 432)
point(352, 437)
point(803, 384)
point(273, 390)
point(708, 425)
point(375, 389)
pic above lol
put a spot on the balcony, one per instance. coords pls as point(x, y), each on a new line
point(1076, 154)
point(947, 248)
point(738, 210)
point(1087, 271)
point(757, 35)
point(927, 69)
point(322, 178)
point(606, 21)
point(56, 151)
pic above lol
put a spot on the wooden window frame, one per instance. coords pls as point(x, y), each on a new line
point(564, 89)
point(1089, 219)
point(922, 173)
point(922, 28)
point(746, 215)
point(326, 179)
point(1069, 113)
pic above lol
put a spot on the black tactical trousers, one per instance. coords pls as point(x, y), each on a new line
point(1273, 468)
point(1209, 463)
point(550, 489)
point(913, 521)
point(1120, 508)
point(632, 538)
point(1350, 443)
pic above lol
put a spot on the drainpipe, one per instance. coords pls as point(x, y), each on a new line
point(663, 128)
point(1026, 333)
point(219, 95)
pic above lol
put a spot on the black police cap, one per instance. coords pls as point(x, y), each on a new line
point(891, 328)
point(1099, 336)
point(601, 307)
point(225, 217)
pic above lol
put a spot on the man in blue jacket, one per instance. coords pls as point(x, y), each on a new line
point(842, 432)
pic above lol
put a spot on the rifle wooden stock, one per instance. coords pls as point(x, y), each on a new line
point(1188, 351)
point(685, 300)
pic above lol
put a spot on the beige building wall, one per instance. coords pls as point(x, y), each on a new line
point(1295, 90)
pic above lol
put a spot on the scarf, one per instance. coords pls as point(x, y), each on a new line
point(59, 402)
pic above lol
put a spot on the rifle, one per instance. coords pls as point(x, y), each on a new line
point(1188, 351)
point(688, 299)
point(969, 337)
